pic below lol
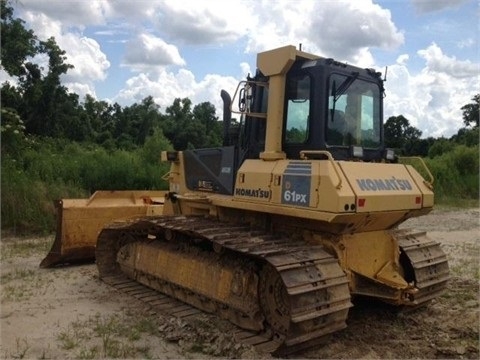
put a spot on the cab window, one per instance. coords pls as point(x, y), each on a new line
point(353, 112)
point(298, 109)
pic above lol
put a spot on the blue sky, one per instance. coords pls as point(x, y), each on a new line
point(125, 50)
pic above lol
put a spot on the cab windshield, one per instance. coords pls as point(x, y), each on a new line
point(353, 112)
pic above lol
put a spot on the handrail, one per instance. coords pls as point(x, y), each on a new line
point(303, 156)
point(429, 184)
point(166, 176)
point(247, 110)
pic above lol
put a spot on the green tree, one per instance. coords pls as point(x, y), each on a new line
point(100, 119)
point(46, 115)
point(192, 129)
point(440, 147)
point(47, 106)
point(471, 112)
point(205, 113)
point(153, 147)
point(17, 43)
point(467, 136)
point(146, 119)
point(136, 122)
point(180, 128)
point(399, 134)
point(10, 96)
point(418, 147)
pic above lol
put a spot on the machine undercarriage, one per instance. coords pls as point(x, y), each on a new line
point(289, 293)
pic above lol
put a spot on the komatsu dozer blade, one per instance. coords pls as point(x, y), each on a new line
point(79, 221)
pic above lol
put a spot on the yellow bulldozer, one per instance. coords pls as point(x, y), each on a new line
point(280, 227)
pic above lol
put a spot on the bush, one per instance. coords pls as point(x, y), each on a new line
point(456, 173)
point(50, 169)
point(12, 131)
point(439, 147)
point(27, 202)
point(42, 170)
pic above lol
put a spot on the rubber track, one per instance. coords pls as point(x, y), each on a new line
point(429, 264)
point(296, 262)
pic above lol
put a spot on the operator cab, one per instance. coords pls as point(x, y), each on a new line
point(328, 106)
point(315, 105)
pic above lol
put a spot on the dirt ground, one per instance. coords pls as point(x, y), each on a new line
point(66, 313)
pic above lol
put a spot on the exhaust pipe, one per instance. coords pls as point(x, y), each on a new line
point(227, 117)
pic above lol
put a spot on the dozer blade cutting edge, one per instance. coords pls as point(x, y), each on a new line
point(79, 221)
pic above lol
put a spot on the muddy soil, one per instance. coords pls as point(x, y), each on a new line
point(67, 313)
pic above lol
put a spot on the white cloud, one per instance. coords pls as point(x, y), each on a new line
point(134, 11)
point(90, 63)
point(81, 89)
point(438, 62)
point(345, 30)
point(70, 13)
point(278, 23)
point(198, 23)
point(245, 68)
point(426, 6)
point(466, 43)
point(43, 26)
point(402, 59)
point(148, 51)
point(431, 100)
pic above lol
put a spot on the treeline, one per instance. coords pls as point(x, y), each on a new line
point(454, 161)
point(53, 145)
point(36, 169)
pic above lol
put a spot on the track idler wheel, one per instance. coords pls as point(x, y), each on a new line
point(274, 302)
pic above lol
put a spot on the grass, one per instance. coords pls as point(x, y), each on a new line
point(466, 268)
point(451, 203)
point(25, 290)
point(17, 274)
point(16, 293)
point(463, 260)
point(460, 296)
point(22, 348)
point(22, 283)
point(23, 247)
point(19, 284)
point(129, 335)
point(112, 336)
point(90, 353)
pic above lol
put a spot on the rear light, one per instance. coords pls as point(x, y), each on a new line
point(389, 154)
point(169, 155)
point(357, 152)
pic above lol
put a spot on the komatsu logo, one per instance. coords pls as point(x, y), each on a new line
point(257, 193)
point(384, 184)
